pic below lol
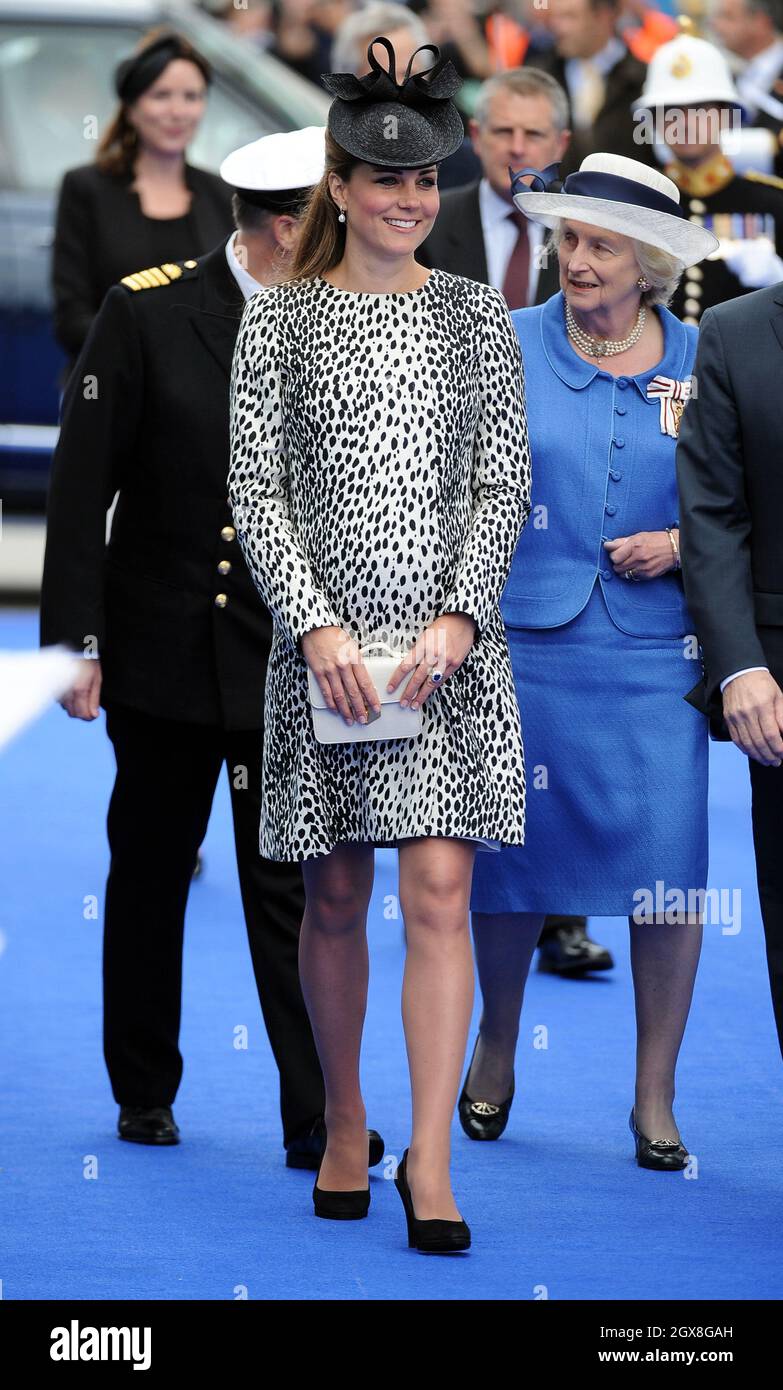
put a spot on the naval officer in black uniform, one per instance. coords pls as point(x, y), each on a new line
point(689, 76)
point(179, 639)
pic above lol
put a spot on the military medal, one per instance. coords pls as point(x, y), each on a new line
point(672, 396)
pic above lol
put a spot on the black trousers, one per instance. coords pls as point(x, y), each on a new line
point(767, 788)
point(167, 773)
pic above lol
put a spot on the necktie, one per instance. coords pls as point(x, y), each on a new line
point(515, 284)
point(589, 96)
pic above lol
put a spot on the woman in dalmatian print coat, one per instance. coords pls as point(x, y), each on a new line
point(380, 480)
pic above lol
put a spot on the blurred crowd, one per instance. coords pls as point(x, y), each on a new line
point(597, 50)
point(480, 37)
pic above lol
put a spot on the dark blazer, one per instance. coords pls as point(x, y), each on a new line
point(613, 128)
point(731, 491)
point(146, 413)
point(101, 234)
point(456, 243)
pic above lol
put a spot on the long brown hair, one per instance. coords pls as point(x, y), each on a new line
point(119, 146)
point(321, 242)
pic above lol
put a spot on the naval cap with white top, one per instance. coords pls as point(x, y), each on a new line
point(278, 171)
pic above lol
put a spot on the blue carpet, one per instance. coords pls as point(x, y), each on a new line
point(558, 1207)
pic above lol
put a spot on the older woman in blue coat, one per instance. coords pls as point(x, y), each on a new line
point(601, 638)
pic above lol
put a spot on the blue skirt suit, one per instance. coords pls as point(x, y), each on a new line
point(617, 761)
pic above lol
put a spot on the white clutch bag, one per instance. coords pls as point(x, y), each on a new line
point(392, 722)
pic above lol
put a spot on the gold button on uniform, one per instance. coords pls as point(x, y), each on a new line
point(221, 600)
point(695, 272)
point(696, 206)
point(692, 306)
point(228, 534)
point(224, 567)
point(693, 288)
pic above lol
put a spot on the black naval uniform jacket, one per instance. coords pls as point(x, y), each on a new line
point(181, 629)
point(739, 208)
point(456, 243)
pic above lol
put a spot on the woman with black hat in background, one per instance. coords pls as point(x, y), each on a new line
point(140, 204)
point(380, 480)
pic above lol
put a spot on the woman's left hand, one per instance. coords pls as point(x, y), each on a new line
point(444, 645)
point(648, 553)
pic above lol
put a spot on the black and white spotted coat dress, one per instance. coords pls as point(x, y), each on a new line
point(380, 477)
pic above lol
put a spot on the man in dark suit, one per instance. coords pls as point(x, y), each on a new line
point(753, 31)
point(731, 492)
point(520, 120)
point(180, 641)
point(600, 76)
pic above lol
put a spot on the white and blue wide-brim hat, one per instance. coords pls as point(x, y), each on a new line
point(624, 196)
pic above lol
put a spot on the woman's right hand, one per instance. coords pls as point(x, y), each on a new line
point(343, 678)
point(83, 700)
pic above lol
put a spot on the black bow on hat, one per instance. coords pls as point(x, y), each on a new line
point(437, 83)
point(428, 126)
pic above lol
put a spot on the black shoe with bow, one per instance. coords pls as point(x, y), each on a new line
point(482, 1119)
point(565, 948)
point(147, 1124)
point(665, 1155)
point(307, 1150)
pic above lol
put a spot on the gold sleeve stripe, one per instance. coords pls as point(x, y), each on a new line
point(152, 277)
point(758, 177)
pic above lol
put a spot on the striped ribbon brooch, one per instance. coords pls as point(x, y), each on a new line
point(672, 396)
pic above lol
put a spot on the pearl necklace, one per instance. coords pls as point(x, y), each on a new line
point(603, 347)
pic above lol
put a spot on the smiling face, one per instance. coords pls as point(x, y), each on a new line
point(598, 269)
point(166, 116)
point(388, 211)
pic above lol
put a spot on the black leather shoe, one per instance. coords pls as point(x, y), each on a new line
point(566, 949)
point(665, 1155)
point(433, 1237)
point(147, 1124)
point(340, 1206)
point(482, 1119)
point(307, 1150)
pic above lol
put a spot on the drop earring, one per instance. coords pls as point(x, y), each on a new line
point(341, 218)
point(642, 283)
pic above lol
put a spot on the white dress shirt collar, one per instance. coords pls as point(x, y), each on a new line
point(244, 279)
point(500, 236)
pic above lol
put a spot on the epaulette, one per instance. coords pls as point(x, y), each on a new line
point(158, 275)
point(771, 179)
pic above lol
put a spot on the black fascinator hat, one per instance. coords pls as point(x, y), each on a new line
point(400, 125)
